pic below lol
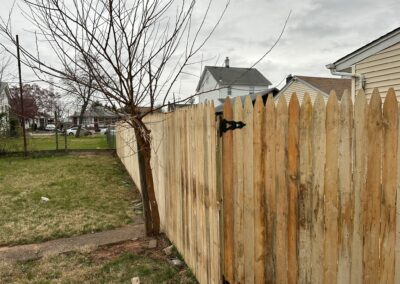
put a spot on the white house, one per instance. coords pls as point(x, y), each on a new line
point(374, 65)
point(216, 83)
point(4, 106)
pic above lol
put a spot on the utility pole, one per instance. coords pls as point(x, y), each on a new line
point(56, 124)
point(21, 98)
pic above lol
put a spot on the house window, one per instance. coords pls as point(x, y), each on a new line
point(229, 91)
point(251, 90)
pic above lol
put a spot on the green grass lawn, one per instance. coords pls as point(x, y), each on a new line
point(87, 193)
point(45, 142)
point(83, 268)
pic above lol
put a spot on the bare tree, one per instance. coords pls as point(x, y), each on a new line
point(82, 92)
point(143, 47)
point(5, 61)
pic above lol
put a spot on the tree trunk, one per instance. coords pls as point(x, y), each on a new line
point(81, 114)
point(151, 214)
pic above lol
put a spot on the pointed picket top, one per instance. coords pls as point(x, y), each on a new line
point(346, 95)
point(281, 103)
point(248, 105)
point(346, 102)
point(361, 100)
point(332, 97)
point(258, 105)
point(294, 102)
point(227, 106)
point(306, 100)
point(390, 103)
point(237, 105)
point(319, 101)
point(270, 105)
point(376, 99)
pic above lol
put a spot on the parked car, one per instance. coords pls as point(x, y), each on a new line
point(72, 131)
point(50, 127)
point(111, 129)
point(103, 130)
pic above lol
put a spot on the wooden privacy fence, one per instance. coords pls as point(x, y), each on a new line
point(184, 168)
point(309, 192)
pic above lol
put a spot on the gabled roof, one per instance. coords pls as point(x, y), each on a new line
point(375, 46)
point(322, 84)
point(226, 76)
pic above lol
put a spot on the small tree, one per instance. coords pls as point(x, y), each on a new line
point(141, 48)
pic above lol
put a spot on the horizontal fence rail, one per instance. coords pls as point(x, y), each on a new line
point(310, 192)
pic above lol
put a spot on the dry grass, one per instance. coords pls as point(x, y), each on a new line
point(88, 268)
point(87, 194)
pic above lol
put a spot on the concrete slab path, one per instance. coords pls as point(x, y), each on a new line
point(33, 251)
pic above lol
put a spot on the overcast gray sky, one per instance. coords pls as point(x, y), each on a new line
point(318, 33)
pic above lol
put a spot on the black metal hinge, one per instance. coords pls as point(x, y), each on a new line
point(226, 125)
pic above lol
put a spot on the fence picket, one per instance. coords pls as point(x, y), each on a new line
point(238, 156)
point(227, 152)
point(248, 170)
point(259, 193)
point(293, 187)
point(360, 162)
point(372, 212)
point(308, 193)
point(270, 191)
point(397, 245)
point(331, 190)
point(345, 189)
point(281, 192)
point(318, 169)
point(305, 197)
point(388, 199)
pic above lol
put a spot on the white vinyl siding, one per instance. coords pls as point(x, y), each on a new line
point(381, 70)
point(300, 89)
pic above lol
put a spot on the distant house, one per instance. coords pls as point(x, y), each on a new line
point(313, 86)
point(97, 116)
point(374, 65)
point(4, 106)
point(219, 82)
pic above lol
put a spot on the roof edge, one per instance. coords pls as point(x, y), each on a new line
point(367, 50)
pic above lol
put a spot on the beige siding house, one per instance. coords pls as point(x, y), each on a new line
point(375, 65)
point(313, 86)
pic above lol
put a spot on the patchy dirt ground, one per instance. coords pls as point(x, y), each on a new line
point(117, 263)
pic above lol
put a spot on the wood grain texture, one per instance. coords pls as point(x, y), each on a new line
point(372, 212)
point(228, 196)
point(305, 193)
point(397, 245)
point(259, 193)
point(293, 187)
point(281, 192)
point(270, 190)
point(248, 170)
point(238, 156)
point(388, 198)
point(359, 183)
point(318, 180)
point(345, 222)
point(331, 190)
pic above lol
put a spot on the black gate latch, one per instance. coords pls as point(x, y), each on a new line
point(226, 125)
